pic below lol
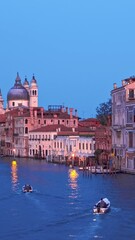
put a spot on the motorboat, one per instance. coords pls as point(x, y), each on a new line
point(27, 188)
point(102, 206)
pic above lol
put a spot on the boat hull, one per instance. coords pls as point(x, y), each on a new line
point(27, 189)
point(101, 210)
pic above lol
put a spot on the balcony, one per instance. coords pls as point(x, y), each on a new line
point(129, 125)
point(131, 98)
point(117, 127)
point(16, 134)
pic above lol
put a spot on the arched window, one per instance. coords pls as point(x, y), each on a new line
point(26, 130)
point(26, 121)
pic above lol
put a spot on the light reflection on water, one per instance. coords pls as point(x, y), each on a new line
point(63, 203)
point(14, 175)
point(73, 183)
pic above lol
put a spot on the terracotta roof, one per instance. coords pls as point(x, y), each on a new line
point(65, 131)
point(89, 120)
point(60, 115)
point(46, 114)
point(68, 133)
point(52, 128)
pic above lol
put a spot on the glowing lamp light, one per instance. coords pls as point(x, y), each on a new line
point(14, 162)
point(73, 174)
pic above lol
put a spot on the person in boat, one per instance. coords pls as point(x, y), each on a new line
point(102, 203)
point(27, 187)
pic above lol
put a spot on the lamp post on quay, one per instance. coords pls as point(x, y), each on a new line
point(14, 152)
point(73, 155)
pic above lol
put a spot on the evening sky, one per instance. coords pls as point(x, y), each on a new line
point(76, 49)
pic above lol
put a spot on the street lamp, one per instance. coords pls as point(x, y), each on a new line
point(14, 152)
point(73, 155)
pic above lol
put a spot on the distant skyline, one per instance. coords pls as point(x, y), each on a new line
point(76, 49)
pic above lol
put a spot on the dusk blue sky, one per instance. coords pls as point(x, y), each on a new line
point(77, 49)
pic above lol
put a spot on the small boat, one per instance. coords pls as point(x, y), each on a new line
point(27, 188)
point(102, 206)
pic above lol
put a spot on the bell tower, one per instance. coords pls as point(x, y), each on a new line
point(33, 93)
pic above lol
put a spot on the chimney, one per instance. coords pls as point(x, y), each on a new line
point(76, 115)
point(35, 113)
point(71, 112)
point(67, 110)
point(123, 83)
point(31, 112)
point(114, 86)
point(42, 113)
point(62, 109)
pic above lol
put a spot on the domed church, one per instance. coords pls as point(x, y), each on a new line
point(23, 94)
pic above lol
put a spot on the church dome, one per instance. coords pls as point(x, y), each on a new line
point(18, 91)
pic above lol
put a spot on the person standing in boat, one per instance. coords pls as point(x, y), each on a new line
point(102, 204)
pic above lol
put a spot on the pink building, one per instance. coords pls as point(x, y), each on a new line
point(28, 130)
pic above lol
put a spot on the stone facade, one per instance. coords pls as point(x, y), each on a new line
point(123, 124)
point(103, 140)
point(60, 141)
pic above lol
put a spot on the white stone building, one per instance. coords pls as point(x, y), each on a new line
point(58, 141)
point(123, 124)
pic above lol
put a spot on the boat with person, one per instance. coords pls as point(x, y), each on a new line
point(27, 188)
point(102, 206)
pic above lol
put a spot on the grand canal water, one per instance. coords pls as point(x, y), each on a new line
point(60, 207)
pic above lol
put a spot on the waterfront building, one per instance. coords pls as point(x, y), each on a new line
point(27, 119)
point(28, 130)
point(103, 140)
point(123, 124)
point(2, 110)
point(2, 133)
point(61, 142)
point(20, 98)
point(22, 114)
point(91, 123)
